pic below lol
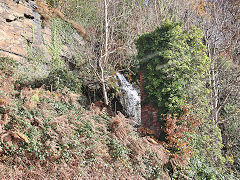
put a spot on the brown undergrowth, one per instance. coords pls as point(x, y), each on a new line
point(49, 135)
point(179, 131)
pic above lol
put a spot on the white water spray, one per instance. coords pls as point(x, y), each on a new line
point(131, 99)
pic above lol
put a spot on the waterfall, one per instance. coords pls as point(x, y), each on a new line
point(131, 99)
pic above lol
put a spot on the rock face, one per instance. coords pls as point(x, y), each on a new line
point(23, 38)
point(20, 27)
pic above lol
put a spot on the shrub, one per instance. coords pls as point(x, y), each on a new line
point(117, 150)
point(173, 62)
point(61, 78)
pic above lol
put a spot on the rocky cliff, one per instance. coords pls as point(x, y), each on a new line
point(20, 26)
point(24, 38)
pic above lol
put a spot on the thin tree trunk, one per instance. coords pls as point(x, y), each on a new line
point(106, 102)
point(104, 91)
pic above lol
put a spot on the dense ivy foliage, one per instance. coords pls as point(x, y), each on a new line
point(173, 62)
point(175, 67)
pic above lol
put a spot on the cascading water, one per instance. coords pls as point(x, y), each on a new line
point(131, 99)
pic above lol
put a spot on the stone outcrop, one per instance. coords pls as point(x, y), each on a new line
point(24, 38)
point(20, 26)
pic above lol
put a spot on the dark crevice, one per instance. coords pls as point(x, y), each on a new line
point(28, 16)
point(10, 52)
point(10, 20)
point(17, 1)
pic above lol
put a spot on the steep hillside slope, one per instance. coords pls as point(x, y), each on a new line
point(50, 135)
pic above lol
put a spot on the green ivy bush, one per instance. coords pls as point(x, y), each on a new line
point(175, 67)
point(173, 62)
